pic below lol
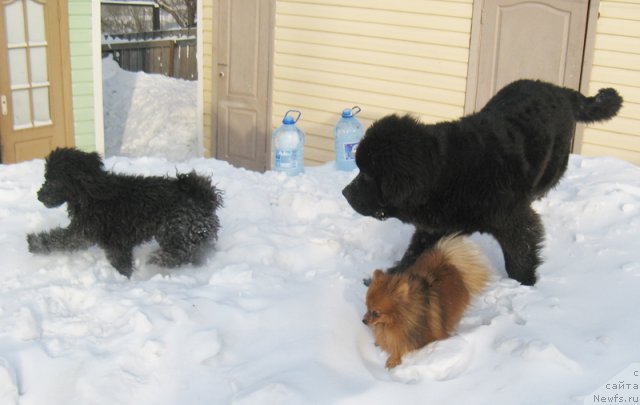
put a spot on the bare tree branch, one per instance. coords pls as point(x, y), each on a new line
point(183, 11)
point(118, 19)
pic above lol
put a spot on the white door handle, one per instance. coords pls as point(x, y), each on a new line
point(4, 104)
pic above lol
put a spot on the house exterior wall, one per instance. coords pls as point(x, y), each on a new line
point(616, 63)
point(82, 74)
point(206, 51)
point(411, 57)
point(405, 56)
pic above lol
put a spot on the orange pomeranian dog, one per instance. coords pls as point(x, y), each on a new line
point(408, 310)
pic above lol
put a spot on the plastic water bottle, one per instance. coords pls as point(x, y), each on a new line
point(347, 135)
point(288, 145)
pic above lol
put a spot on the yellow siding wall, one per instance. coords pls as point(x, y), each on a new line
point(617, 64)
point(411, 56)
point(386, 56)
point(208, 20)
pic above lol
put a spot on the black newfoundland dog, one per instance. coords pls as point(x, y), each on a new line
point(477, 174)
point(118, 212)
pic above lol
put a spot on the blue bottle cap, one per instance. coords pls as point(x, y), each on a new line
point(350, 112)
point(288, 119)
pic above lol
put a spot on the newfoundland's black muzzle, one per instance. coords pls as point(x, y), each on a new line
point(362, 195)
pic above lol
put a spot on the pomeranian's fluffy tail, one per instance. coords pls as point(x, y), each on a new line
point(466, 256)
point(603, 106)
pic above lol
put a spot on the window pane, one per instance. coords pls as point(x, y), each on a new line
point(14, 21)
point(21, 110)
point(41, 114)
point(18, 67)
point(39, 65)
point(35, 22)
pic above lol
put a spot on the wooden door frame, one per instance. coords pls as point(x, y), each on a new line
point(213, 91)
point(585, 73)
point(214, 80)
point(65, 57)
point(65, 75)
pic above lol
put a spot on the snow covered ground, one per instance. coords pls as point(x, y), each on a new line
point(274, 316)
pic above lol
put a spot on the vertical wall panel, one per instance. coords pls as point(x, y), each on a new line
point(616, 63)
point(81, 50)
point(206, 53)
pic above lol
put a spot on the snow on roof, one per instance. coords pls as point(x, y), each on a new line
point(163, 35)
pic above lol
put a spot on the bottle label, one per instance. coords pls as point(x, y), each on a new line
point(286, 159)
point(350, 150)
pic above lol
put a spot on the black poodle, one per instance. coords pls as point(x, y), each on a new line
point(118, 212)
point(477, 174)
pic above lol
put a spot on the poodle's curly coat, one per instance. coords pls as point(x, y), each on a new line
point(118, 212)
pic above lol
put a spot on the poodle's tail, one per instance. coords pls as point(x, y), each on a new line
point(603, 106)
point(200, 188)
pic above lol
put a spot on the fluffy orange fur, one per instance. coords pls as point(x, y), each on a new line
point(425, 303)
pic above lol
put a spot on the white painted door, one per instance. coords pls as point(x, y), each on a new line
point(242, 71)
point(534, 39)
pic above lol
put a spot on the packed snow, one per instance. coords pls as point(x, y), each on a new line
point(149, 114)
point(274, 316)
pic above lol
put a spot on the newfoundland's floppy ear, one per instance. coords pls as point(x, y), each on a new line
point(400, 151)
point(397, 187)
point(408, 175)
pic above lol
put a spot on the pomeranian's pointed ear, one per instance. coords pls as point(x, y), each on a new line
point(376, 274)
point(403, 289)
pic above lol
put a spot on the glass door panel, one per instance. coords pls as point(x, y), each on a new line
point(27, 45)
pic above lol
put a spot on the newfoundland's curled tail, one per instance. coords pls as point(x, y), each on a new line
point(426, 302)
point(603, 106)
point(477, 174)
point(119, 211)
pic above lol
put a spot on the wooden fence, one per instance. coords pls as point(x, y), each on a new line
point(171, 53)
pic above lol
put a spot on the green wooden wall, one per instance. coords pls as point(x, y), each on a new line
point(80, 38)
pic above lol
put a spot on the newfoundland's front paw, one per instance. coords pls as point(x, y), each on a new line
point(36, 243)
